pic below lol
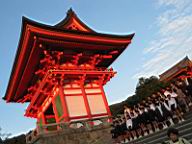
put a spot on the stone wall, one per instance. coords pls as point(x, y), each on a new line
point(97, 135)
point(63, 133)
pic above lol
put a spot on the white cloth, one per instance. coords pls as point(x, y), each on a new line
point(159, 107)
point(129, 123)
point(152, 106)
point(172, 101)
point(173, 94)
point(166, 93)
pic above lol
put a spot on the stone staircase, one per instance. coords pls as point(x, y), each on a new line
point(185, 130)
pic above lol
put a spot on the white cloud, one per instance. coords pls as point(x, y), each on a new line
point(178, 4)
point(174, 38)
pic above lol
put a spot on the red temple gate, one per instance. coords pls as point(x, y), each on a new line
point(61, 70)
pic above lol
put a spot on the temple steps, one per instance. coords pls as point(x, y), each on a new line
point(185, 130)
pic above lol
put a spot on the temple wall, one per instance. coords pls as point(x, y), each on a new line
point(95, 135)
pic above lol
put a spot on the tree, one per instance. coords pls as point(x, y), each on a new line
point(145, 87)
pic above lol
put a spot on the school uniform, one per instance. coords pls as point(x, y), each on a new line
point(166, 93)
point(151, 115)
point(129, 124)
point(118, 130)
point(141, 118)
point(152, 107)
point(134, 120)
point(172, 103)
point(166, 110)
point(123, 128)
point(159, 113)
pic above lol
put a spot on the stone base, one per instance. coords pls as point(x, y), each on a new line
point(95, 135)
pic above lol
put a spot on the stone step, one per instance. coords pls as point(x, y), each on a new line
point(164, 136)
point(190, 140)
point(188, 115)
point(187, 136)
point(180, 126)
point(185, 133)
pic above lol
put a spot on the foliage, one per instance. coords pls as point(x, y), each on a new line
point(15, 140)
point(5, 138)
point(145, 87)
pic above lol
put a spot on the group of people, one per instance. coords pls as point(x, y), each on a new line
point(158, 111)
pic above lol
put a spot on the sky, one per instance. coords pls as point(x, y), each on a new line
point(163, 36)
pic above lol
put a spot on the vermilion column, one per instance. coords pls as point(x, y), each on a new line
point(43, 118)
point(105, 100)
point(85, 100)
point(55, 109)
point(64, 104)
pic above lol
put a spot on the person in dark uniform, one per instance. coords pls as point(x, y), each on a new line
point(115, 130)
point(166, 112)
point(142, 120)
point(159, 114)
point(153, 117)
point(133, 116)
point(138, 123)
point(147, 115)
point(129, 125)
point(189, 90)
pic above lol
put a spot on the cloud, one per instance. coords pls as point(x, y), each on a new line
point(178, 4)
point(174, 38)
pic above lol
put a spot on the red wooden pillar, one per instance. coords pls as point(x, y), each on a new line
point(43, 118)
point(85, 99)
point(64, 104)
point(105, 100)
point(55, 110)
point(44, 121)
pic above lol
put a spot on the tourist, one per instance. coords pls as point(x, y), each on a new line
point(173, 135)
point(153, 117)
point(141, 119)
point(160, 110)
point(173, 106)
point(166, 91)
point(130, 131)
point(166, 111)
point(189, 90)
point(159, 114)
point(133, 115)
point(126, 110)
point(186, 89)
point(148, 120)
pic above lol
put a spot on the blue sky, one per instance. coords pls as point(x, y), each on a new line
point(163, 37)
